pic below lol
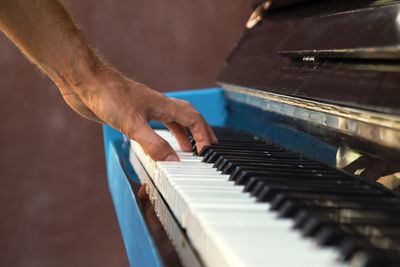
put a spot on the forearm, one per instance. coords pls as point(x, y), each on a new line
point(47, 34)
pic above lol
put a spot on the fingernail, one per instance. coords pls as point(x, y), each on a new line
point(171, 157)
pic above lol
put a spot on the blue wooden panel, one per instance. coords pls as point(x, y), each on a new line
point(209, 102)
point(272, 127)
point(137, 240)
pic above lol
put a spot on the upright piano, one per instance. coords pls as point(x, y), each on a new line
point(307, 168)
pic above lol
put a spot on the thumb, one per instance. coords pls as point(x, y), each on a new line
point(154, 145)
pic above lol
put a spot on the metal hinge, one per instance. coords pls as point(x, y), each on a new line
point(257, 14)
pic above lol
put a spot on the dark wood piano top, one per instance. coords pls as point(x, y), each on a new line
point(360, 61)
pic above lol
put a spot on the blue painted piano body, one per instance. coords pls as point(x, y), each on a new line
point(139, 245)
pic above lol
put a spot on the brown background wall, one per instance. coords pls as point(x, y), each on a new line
point(55, 208)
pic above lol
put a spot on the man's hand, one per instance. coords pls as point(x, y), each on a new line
point(128, 106)
point(48, 36)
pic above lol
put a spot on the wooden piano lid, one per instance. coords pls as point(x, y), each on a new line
point(330, 68)
point(339, 52)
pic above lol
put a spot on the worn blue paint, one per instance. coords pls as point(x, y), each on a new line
point(276, 128)
point(209, 102)
point(138, 243)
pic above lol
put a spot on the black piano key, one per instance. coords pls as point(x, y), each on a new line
point(287, 170)
point(302, 217)
point(249, 153)
point(235, 141)
point(211, 156)
point(256, 152)
point(332, 198)
point(246, 144)
point(256, 157)
point(347, 216)
point(277, 201)
point(288, 210)
point(204, 150)
point(303, 180)
point(311, 222)
point(350, 202)
point(349, 247)
point(227, 132)
point(194, 150)
point(207, 154)
point(257, 189)
point(291, 208)
point(312, 226)
point(260, 163)
point(267, 192)
point(237, 144)
point(373, 257)
point(218, 162)
point(384, 229)
point(330, 235)
point(227, 166)
point(388, 229)
point(241, 177)
point(342, 218)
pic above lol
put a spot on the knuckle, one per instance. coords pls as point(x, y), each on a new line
point(156, 146)
point(197, 118)
point(198, 133)
point(195, 114)
point(130, 125)
point(186, 104)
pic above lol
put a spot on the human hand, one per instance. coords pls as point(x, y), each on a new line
point(128, 106)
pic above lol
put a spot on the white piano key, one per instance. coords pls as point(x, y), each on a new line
point(174, 164)
point(227, 226)
point(194, 177)
point(188, 155)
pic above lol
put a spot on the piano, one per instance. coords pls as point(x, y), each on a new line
point(307, 168)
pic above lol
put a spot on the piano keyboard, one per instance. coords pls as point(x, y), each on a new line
point(246, 202)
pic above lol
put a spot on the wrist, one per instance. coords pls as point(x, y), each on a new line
point(77, 67)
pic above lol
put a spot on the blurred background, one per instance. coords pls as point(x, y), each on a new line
point(55, 208)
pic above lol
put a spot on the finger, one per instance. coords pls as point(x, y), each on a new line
point(181, 136)
point(155, 146)
point(186, 115)
point(200, 133)
point(213, 138)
